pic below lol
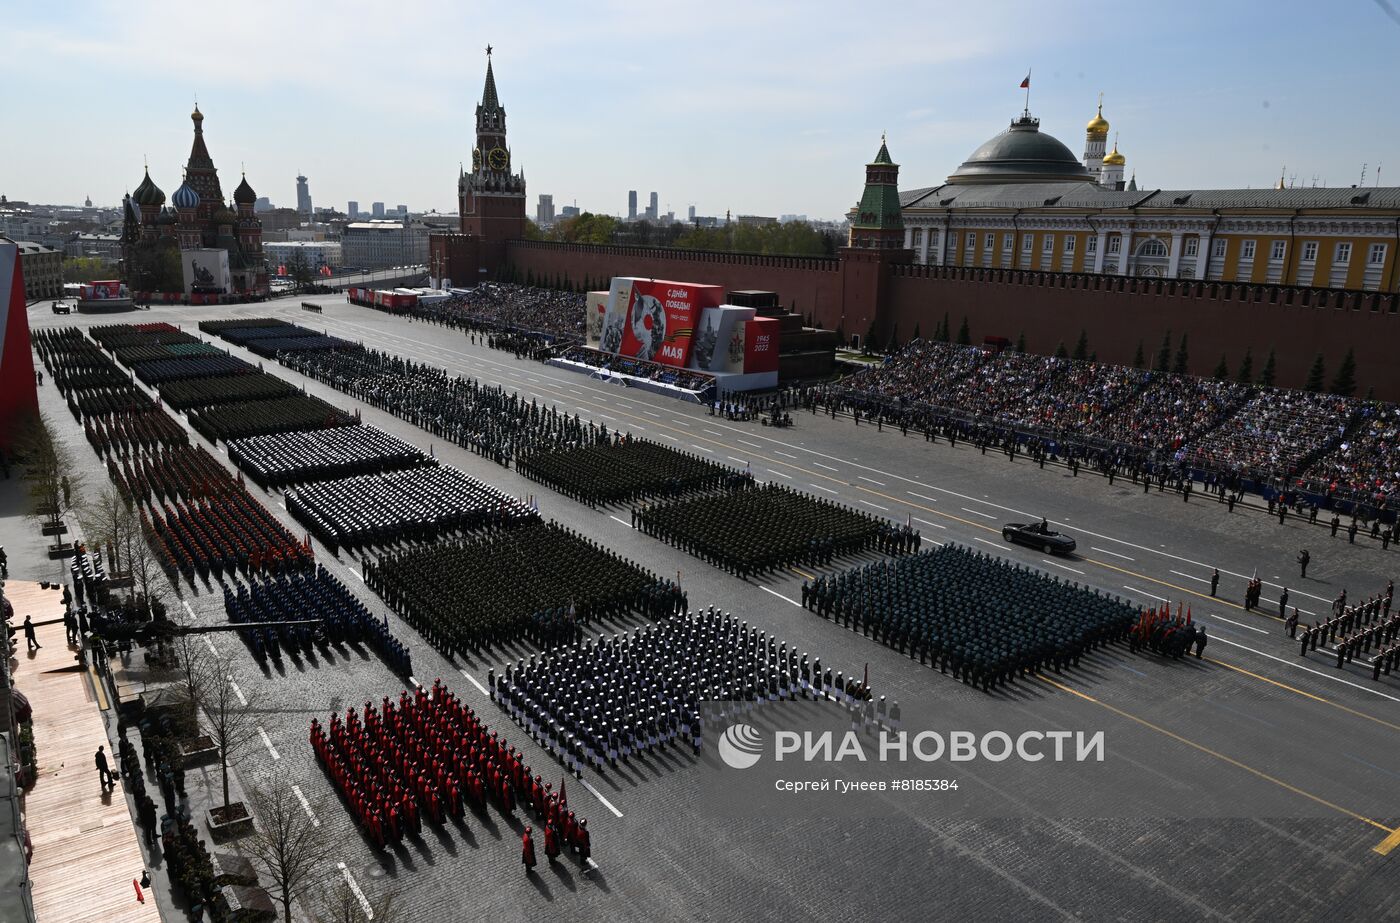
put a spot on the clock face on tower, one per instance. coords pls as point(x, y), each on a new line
point(498, 158)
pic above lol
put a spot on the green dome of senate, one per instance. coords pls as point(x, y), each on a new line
point(1022, 154)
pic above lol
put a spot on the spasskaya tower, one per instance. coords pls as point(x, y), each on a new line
point(491, 198)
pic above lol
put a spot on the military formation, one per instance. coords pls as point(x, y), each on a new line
point(620, 468)
point(223, 422)
point(1353, 631)
point(600, 702)
point(320, 455)
point(302, 596)
point(984, 619)
point(486, 419)
point(750, 529)
point(416, 505)
point(537, 582)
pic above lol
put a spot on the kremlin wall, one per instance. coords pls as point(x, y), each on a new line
point(1026, 238)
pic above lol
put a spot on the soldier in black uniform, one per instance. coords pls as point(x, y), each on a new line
point(1336, 524)
point(1303, 559)
point(1214, 580)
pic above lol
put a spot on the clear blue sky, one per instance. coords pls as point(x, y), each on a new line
point(759, 107)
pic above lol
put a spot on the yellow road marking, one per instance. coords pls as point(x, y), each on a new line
point(802, 573)
point(1308, 695)
point(1385, 846)
point(97, 689)
point(1394, 834)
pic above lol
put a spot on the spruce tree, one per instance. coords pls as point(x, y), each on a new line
point(1317, 378)
point(1266, 377)
point(1164, 355)
point(1222, 371)
point(964, 335)
point(1061, 352)
point(1139, 360)
point(1180, 365)
point(1246, 372)
point(1345, 382)
point(1021, 342)
point(1081, 349)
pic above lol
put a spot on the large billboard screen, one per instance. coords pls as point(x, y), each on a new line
point(718, 345)
point(653, 319)
point(206, 271)
point(761, 345)
point(101, 291)
point(596, 307)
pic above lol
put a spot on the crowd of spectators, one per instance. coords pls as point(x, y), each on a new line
point(1131, 418)
point(502, 306)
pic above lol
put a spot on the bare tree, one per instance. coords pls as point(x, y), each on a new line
point(48, 467)
point(232, 723)
point(194, 673)
point(108, 520)
point(287, 847)
point(147, 577)
point(337, 902)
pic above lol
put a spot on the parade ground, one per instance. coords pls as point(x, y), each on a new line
point(1250, 783)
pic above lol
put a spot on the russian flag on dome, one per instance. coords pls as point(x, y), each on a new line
point(1026, 84)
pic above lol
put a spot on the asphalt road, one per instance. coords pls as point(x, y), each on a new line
point(1251, 785)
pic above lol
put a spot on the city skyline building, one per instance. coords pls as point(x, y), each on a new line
point(303, 196)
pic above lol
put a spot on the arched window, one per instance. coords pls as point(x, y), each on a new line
point(1151, 248)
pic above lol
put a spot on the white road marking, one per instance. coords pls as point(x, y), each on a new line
point(681, 423)
point(669, 436)
point(1191, 577)
point(1335, 679)
point(871, 480)
point(415, 682)
point(921, 496)
point(267, 742)
point(827, 489)
point(986, 541)
point(360, 575)
point(238, 692)
point(714, 432)
point(781, 596)
point(742, 461)
point(623, 521)
point(827, 467)
point(186, 604)
point(652, 414)
point(599, 795)
point(210, 644)
point(925, 538)
point(1145, 593)
point(305, 805)
point(355, 889)
point(1239, 624)
point(1114, 553)
point(783, 454)
point(1064, 566)
point(779, 474)
point(607, 417)
point(978, 513)
point(876, 505)
point(472, 679)
point(927, 523)
point(703, 449)
point(753, 445)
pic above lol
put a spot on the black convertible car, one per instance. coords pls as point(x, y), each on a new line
point(1038, 535)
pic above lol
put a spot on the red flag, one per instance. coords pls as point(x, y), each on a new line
point(1026, 84)
point(866, 682)
point(563, 797)
point(1188, 615)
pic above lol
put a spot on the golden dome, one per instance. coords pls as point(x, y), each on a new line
point(1113, 158)
point(1098, 125)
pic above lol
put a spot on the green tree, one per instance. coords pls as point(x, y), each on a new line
point(532, 231)
point(1345, 382)
point(964, 334)
point(86, 269)
point(1267, 376)
point(1061, 352)
point(1222, 371)
point(1164, 355)
point(1021, 342)
point(1081, 349)
point(1246, 373)
point(916, 330)
point(1181, 366)
point(1317, 378)
point(1139, 360)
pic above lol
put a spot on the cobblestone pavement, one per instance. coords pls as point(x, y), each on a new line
point(1197, 742)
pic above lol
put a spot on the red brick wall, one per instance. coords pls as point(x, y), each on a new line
point(805, 285)
point(1119, 313)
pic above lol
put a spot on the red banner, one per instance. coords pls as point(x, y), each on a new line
point(660, 318)
point(761, 345)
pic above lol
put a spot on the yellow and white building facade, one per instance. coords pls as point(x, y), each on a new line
point(1024, 201)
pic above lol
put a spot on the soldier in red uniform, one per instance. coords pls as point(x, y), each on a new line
point(551, 841)
point(527, 851)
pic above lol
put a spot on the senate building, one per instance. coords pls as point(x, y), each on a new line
point(1024, 201)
